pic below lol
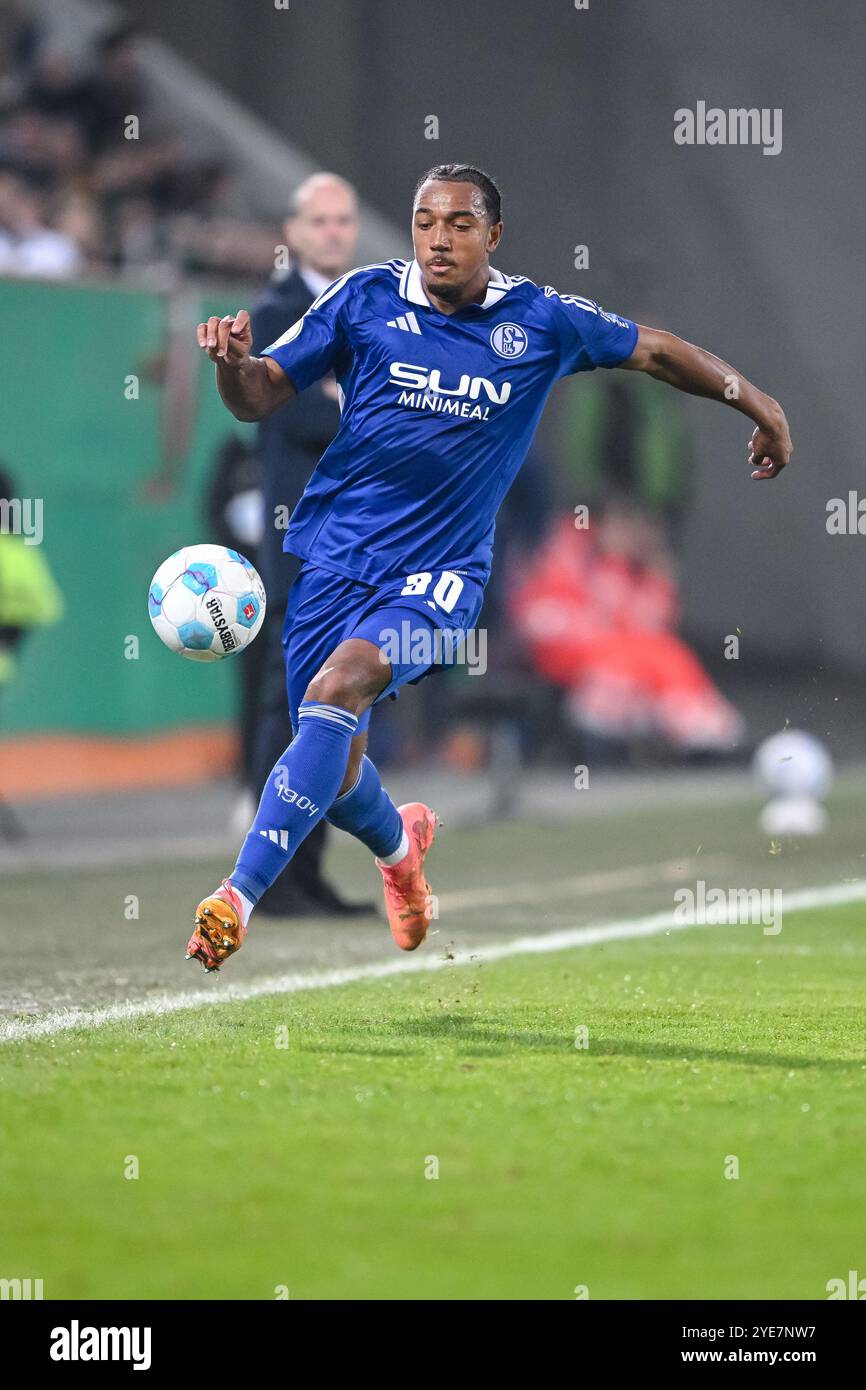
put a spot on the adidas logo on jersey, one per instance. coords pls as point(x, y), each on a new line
point(407, 322)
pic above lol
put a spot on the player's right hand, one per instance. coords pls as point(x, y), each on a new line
point(228, 340)
point(770, 446)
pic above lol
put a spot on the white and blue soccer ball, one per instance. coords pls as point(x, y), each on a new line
point(206, 602)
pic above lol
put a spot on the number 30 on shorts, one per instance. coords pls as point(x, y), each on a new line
point(446, 591)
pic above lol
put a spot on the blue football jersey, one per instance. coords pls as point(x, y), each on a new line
point(438, 413)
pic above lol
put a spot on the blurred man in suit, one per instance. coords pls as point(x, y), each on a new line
point(321, 234)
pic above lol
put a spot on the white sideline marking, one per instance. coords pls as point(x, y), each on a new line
point(628, 928)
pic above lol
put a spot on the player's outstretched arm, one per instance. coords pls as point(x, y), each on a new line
point(251, 387)
point(692, 369)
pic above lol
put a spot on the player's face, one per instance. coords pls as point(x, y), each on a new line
point(324, 233)
point(451, 236)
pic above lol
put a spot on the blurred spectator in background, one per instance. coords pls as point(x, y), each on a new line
point(47, 149)
point(115, 180)
point(598, 610)
point(99, 101)
point(321, 234)
point(27, 245)
point(598, 605)
point(29, 599)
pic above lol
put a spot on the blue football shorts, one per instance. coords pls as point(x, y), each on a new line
point(400, 617)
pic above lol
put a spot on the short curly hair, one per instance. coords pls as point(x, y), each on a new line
point(468, 173)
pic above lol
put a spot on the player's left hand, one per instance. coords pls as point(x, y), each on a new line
point(770, 448)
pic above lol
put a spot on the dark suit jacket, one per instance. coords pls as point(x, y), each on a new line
point(293, 439)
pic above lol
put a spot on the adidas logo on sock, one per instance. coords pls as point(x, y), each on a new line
point(407, 322)
point(278, 837)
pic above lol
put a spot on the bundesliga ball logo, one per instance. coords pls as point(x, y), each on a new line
point(509, 340)
point(206, 602)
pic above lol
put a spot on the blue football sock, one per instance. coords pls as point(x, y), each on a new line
point(367, 812)
point(297, 794)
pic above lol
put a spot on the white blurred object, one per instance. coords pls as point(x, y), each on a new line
point(245, 514)
point(794, 763)
point(798, 770)
point(39, 254)
point(243, 813)
point(793, 815)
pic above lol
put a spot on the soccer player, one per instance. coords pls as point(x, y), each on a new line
point(444, 365)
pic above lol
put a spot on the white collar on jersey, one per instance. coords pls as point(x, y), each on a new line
point(412, 288)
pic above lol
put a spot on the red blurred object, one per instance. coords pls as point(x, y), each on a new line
point(597, 608)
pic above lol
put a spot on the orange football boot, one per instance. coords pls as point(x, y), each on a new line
point(219, 928)
point(408, 895)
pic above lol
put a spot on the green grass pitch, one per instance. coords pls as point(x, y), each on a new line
point(309, 1167)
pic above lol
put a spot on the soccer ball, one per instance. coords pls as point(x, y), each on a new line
point(206, 602)
point(798, 770)
point(794, 763)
